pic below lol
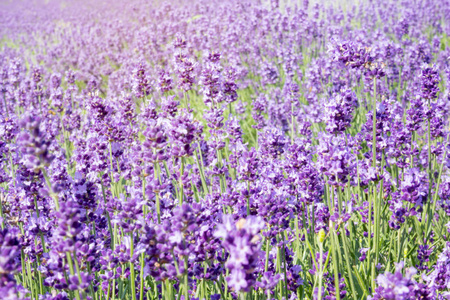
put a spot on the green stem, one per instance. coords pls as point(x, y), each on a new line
point(436, 193)
point(335, 263)
point(374, 124)
point(133, 281)
point(141, 290)
point(158, 204)
point(186, 279)
point(347, 262)
point(108, 217)
point(72, 272)
point(266, 265)
point(320, 276)
point(49, 185)
point(181, 181)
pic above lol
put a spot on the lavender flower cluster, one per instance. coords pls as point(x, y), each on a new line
point(224, 150)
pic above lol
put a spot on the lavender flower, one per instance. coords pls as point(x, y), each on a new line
point(396, 286)
point(240, 240)
point(429, 78)
point(338, 113)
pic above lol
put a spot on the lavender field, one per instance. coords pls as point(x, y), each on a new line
point(219, 149)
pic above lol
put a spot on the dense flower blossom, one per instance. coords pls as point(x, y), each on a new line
point(34, 145)
point(10, 251)
point(339, 111)
point(398, 286)
point(141, 85)
point(224, 150)
point(350, 54)
point(439, 279)
point(241, 240)
point(429, 83)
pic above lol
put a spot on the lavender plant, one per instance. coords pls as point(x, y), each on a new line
point(224, 150)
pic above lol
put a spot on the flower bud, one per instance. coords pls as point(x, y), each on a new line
point(321, 236)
